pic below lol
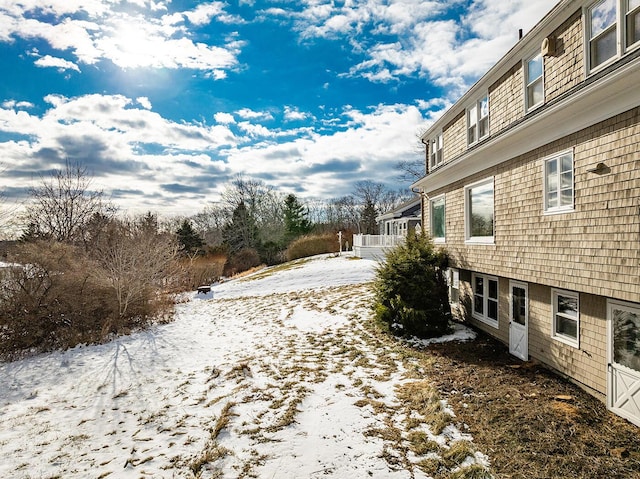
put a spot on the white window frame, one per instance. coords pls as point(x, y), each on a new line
point(475, 117)
point(563, 338)
point(551, 210)
point(436, 151)
point(438, 239)
point(467, 212)
point(625, 16)
point(483, 317)
point(528, 83)
point(589, 38)
point(453, 281)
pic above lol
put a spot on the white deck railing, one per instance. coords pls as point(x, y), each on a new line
point(365, 241)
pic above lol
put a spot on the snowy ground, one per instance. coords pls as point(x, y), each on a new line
point(271, 376)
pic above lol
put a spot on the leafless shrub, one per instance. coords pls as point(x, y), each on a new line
point(63, 294)
point(312, 245)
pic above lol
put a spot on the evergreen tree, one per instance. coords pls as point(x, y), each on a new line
point(296, 220)
point(241, 232)
point(368, 218)
point(189, 240)
point(411, 294)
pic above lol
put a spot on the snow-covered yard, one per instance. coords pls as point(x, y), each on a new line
point(272, 376)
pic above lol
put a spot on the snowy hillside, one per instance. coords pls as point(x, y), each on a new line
point(268, 376)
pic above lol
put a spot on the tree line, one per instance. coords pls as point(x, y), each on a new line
point(82, 270)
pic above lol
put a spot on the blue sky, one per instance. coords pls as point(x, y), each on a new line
point(167, 101)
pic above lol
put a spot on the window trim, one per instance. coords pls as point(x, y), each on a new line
point(453, 283)
point(467, 221)
point(588, 37)
point(438, 239)
point(555, 210)
point(439, 161)
point(555, 292)
point(624, 14)
point(527, 83)
point(478, 118)
point(483, 318)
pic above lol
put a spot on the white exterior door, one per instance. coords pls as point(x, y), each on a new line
point(518, 320)
point(623, 384)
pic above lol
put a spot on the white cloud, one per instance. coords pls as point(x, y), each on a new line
point(10, 104)
point(293, 114)
point(144, 102)
point(413, 38)
point(127, 39)
point(249, 114)
point(59, 63)
point(224, 118)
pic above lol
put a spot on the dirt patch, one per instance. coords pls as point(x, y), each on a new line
point(529, 421)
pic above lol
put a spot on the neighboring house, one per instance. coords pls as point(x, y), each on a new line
point(533, 187)
point(401, 219)
point(393, 226)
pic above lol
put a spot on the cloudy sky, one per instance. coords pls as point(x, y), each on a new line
point(166, 101)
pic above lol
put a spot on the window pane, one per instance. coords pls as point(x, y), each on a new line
point(566, 197)
point(567, 163)
point(481, 210)
point(437, 218)
point(633, 27)
point(478, 306)
point(566, 326)
point(518, 305)
point(472, 134)
point(473, 115)
point(535, 93)
point(566, 180)
point(567, 305)
point(493, 289)
point(603, 16)
point(552, 199)
point(626, 338)
point(633, 4)
point(484, 107)
point(479, 289)
point(483, 127)
point(534, 69)
point(604, 47)
point(492, 310)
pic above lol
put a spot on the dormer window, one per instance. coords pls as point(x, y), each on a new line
point(435, 151)
point(478, 120)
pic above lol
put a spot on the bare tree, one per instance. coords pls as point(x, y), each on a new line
point(135, 261)
point(63, 205)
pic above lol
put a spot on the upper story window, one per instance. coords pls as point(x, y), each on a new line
point(602, 32)
point(478, 204)
point(534, 81)
point(435, 151)
point(437, 216)
point(558, 183)
point(478, 120)
point(606, 38)
point(632, 22)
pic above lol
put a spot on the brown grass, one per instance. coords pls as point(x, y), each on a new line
point(514, 416)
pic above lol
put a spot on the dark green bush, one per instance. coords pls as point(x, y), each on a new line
point(411, 291)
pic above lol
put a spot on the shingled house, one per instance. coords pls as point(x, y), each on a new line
point(533, 187)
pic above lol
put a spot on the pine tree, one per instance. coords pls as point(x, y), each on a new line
point(189, 240)
point(411, 294)
point(368, 218)
point(296, 220)
point(241, 232)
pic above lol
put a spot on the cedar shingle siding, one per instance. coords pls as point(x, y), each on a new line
point(592, 249)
